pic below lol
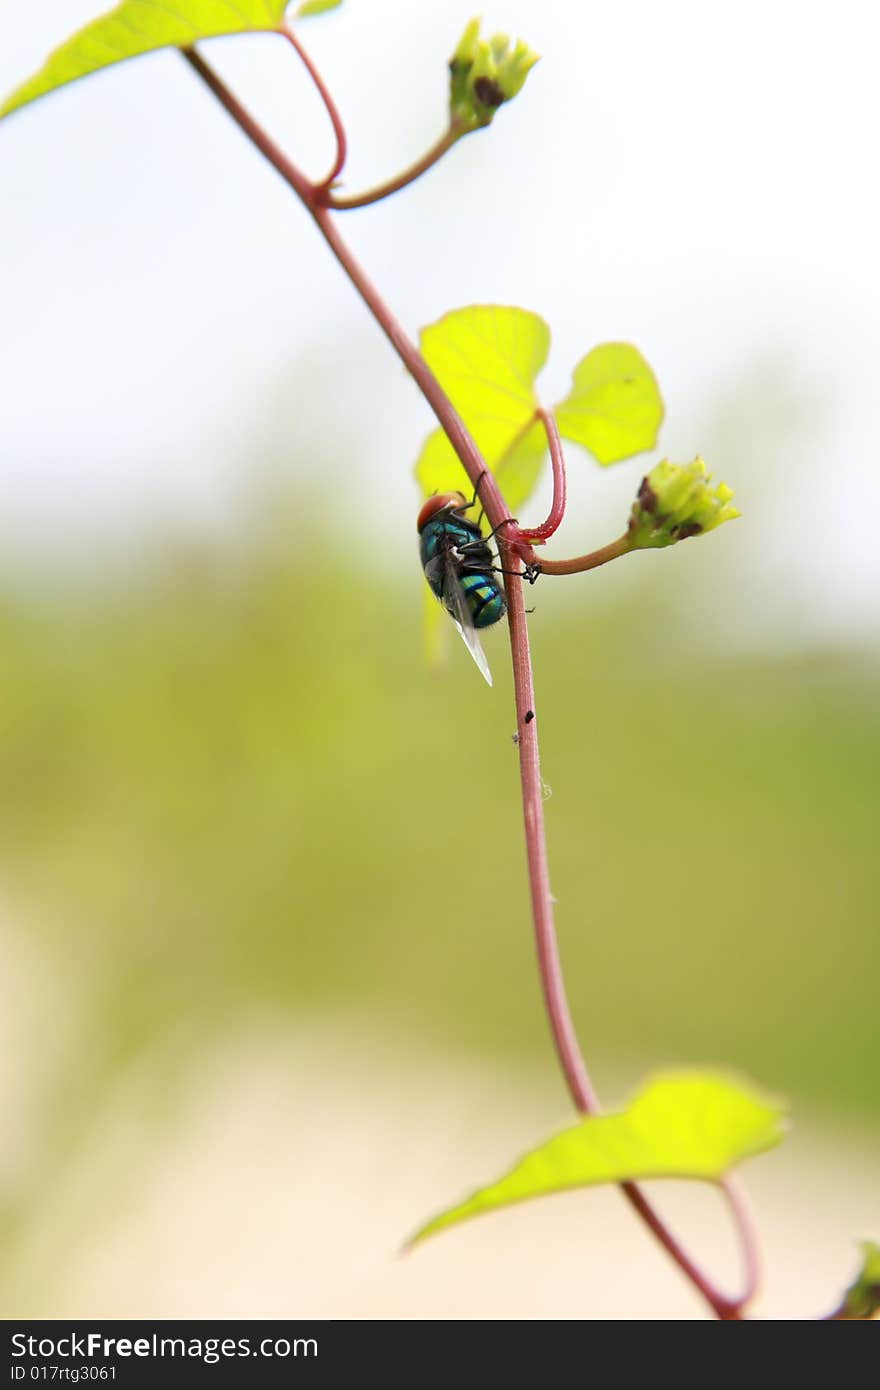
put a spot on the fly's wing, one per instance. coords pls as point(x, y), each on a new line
point(457, 604)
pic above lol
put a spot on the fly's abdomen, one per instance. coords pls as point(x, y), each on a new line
point(484, 598)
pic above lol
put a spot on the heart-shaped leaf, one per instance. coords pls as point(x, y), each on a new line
point(486, 357)
point(142, 26)
point(694, 1125)
point(517, 468)
point(614, 407)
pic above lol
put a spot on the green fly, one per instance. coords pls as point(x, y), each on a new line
point(459, 567)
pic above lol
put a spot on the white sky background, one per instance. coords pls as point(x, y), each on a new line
point(699, 178)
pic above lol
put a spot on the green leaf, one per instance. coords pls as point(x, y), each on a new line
point(614, 407)
point(486, 358)
point(862, 1299)
point(693, 1125)
point(435, 630)
point(142, 26)
point(519, 467)
point(439, 469)
point(316, 7)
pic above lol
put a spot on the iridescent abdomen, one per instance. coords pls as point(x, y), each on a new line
point(484, 598)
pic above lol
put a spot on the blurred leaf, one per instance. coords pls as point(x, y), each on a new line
point(435, 630)
point(486, 358)
point(678, 1126)
point(614, 407)
point(142, 26)
point(862, 1299)
point(316, 7)
point(439, 469)
point(519, 468)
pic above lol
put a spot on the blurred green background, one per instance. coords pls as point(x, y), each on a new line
point(230, 790)
point(232, 782)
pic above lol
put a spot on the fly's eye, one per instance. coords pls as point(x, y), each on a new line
point(440, 502)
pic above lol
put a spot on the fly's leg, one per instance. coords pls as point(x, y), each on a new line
point(508, 521)
point(467, 505)
point(530, 573)
point(477, 565)
point(473, 502)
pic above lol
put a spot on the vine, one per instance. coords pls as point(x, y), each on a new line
point(695, 1125)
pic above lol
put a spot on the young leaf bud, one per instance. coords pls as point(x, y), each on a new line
point(674, 502)
point(483, 75)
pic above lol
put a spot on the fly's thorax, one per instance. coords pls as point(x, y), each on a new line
point(449, 533)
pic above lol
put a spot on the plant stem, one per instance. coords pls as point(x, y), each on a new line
point(557, 460)
point(562, 1028)
point(330, 105)
point(613, 551)
point(459, 436)
point(384, 190)
point(552, 982)
point(292, 175)
point(742, 1220)
point(471, 458)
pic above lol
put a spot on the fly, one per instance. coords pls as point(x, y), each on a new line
point(459, 567)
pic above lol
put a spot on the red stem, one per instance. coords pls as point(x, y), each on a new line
point(292, 175)
point(573, 1066)
point(612, 551)
point(331, 107)
point(564, 1036)
point(384, 190)
point(557, 460)
point(751, 1256)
